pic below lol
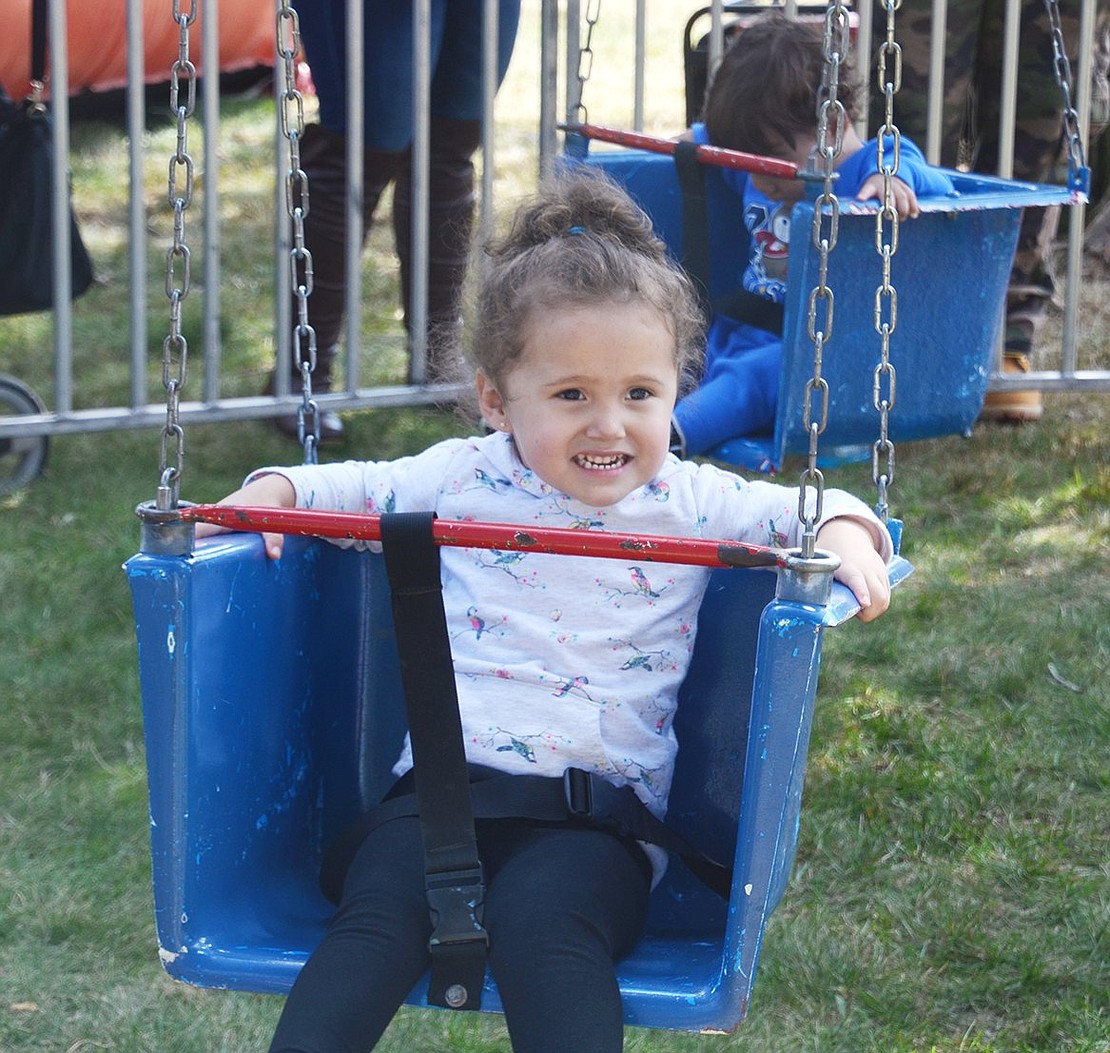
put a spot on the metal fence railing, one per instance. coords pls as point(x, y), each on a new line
point(560, 36)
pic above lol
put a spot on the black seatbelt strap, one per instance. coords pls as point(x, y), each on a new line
point(578, 797)
point(695, 216)
point(452, 870)
point(740, 304)
point(749, 307)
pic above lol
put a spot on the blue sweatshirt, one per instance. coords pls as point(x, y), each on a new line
point(743, 398)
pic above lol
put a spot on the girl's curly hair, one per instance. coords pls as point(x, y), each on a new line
point(579, 241)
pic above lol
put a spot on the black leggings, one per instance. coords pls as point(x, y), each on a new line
point(562, 905)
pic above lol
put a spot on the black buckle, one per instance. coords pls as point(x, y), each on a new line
point(459, 944)
point(578, 792)
point(455, 901)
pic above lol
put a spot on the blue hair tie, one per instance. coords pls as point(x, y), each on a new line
point(576, 230)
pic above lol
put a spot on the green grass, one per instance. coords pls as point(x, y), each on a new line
point(952, 888)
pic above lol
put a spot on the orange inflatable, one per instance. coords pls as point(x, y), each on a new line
point(97, 41)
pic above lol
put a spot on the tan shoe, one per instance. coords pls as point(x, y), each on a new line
point(1012, 406)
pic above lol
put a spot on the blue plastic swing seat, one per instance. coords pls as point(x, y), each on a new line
point(273, 713)
point(951, 270)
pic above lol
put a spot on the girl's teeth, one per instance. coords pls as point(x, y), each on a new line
point(601, 462)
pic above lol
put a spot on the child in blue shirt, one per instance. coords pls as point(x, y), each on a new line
point(763, 101)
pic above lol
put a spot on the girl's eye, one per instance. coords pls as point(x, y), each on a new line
point(571, 394)
point(639, 394)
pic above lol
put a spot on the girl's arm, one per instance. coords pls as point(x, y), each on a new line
point(272, 491)
point(862, 569)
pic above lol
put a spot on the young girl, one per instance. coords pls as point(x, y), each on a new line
point(763, 100)
point(582, 330)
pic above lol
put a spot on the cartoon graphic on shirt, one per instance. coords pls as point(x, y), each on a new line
point(660, 490)
point(768, 223)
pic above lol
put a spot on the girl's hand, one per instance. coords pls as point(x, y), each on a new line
point(905, 200)
point(861, 567)
point(268, 491)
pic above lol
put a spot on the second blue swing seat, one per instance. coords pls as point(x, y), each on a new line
point(273, 713)
point(951, 271)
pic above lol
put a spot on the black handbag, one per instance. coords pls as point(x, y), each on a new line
point(27, 196)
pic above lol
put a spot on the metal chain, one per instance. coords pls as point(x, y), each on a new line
point(1062, 67)
point(297, 204)
point(831, 116)
point(585, 61)
point(886, 244)
point(175, 348)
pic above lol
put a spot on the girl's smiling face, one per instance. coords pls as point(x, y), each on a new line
point(589, 400)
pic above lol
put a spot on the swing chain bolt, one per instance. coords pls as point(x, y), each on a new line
point(455, 996)
point(162, 530)
point(807, 578)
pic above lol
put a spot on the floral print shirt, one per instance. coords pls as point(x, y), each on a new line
point(565, 661)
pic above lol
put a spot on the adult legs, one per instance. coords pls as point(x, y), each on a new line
point(388, 102)
point(451, 201)
point(324, 161)
point(454, 137)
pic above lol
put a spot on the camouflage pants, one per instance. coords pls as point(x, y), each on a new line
point(970, 116)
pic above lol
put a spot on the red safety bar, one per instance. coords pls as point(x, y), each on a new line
point(502, 536)
point(710, 155)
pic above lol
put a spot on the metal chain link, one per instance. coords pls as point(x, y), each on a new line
point(1062, 68)
point(886, 245)
point(288, 31)
point(585, 61)
point(175, 348)
point(831, 116)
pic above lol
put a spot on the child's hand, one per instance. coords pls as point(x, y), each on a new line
point(905, 200)
point(268, 491)
point(861, 567)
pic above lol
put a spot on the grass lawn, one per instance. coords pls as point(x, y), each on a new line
point(952, 887)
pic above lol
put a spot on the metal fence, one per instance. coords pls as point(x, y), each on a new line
point(565, 28)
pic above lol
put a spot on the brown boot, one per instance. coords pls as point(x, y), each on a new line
point(1012, 406)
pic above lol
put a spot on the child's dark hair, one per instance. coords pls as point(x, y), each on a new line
point(580, 241)
point(765, 90)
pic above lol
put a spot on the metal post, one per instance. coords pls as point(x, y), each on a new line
point(716, 37)
point(210, 102)
point(549, 77)
point(1008, 105)
point(283, 243)
point(491, 29)
point(1077, 212)
point(421, 101)
point(355, 175)
point(136, 219)
point(641, 50)
point(863, 65)
point(63, 283)
point(935, 104)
